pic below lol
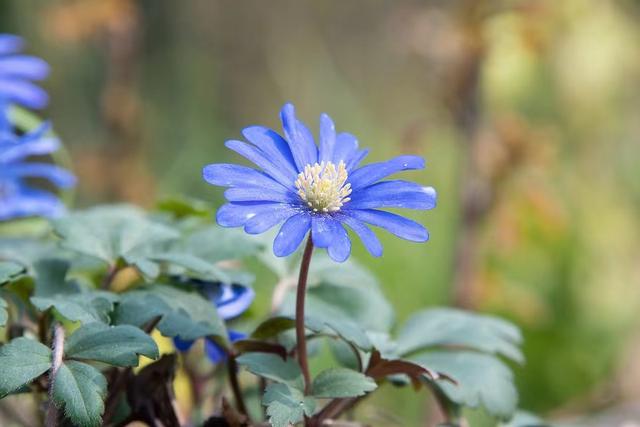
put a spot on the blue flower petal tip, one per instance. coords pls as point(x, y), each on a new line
point(18, 73)
point(317, 187)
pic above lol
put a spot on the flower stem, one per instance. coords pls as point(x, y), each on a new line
point(51, 419)
point(232, 368)
point(301, 339)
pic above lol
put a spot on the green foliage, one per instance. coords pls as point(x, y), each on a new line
point(442, 327)
point(286, 405)
point(115, 345)
point(482, 380)
point(71, 301)
point(113, 234)
point(80, 389)
point(341, 382)
point(4, 314)
point(465, 346)
point(10, 271)
point(22, 360)
point(274, 368)
point(525, 419)
point(182, 313)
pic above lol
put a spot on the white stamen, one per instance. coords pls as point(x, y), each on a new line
point(324, 187)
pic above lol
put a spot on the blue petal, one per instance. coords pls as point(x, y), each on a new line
point(356, 158)
point(345, 148)
point(395, 224)
point(18, 151)
point(233, 300)
point(24, 66)
point(373, 172)
point(214, 352)
point(236, 336)
point(260, 194)
point(55, 174)
point(327, 138)
point(258, 157)
point(23, 93)
point(182, 345)
point(300, 140)
point(273, 145)
point(393, 194)
point(266, 220)
point(237, 214)
point(291, 234)
point(30, 202)
point(228, 175)
point(368, 237)
point(327, 232)
point(10, 44)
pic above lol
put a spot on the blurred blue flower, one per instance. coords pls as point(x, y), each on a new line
point(316, 188)
point(17, 197)
point(17, 73)
point(230, 301)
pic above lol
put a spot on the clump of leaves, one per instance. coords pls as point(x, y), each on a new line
point(78, 306)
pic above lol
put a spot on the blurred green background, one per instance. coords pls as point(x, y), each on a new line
point(527, 112)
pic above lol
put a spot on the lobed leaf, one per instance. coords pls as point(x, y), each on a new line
point(286, 405)
point(445, 327)
point(341, 382)
point(482, 380)
point(111, 233)
point(184, 313)
point(80, 389)
point(115, 345)
point(273, 367)
point(10, 271)
point(22, 360)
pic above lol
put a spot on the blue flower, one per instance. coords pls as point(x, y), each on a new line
point(230, 301)
point(321, 189)
point(17, 197)
point(17, 73)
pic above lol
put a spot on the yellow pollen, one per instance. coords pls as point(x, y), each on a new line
point(323, 186)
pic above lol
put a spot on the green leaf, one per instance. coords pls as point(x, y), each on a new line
point(286, 405)
point(10, 271)
point(483, 380)
point(72, 302)
point(111, 233)
point(80, 389)
point(194, 265)
point(214, 244)
point(115, 345)
point(442, 327)
point(341, 382)
point(273, 326)
point(273, 367)
point(183, 313)
point(4, 314)
point(525, 419)
point(22, 360)
point(85, 308)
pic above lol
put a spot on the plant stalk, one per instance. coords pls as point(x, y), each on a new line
point(57, 347)
point(301, 339)
point(232, 368)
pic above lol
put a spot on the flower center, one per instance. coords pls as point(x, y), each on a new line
point(323, 186)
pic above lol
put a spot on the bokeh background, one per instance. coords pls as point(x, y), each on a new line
point(528, 113)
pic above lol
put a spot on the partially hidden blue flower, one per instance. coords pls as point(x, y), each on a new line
point(230, 301)
point(316, 188)
point(18, 197)
point(18, 72)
